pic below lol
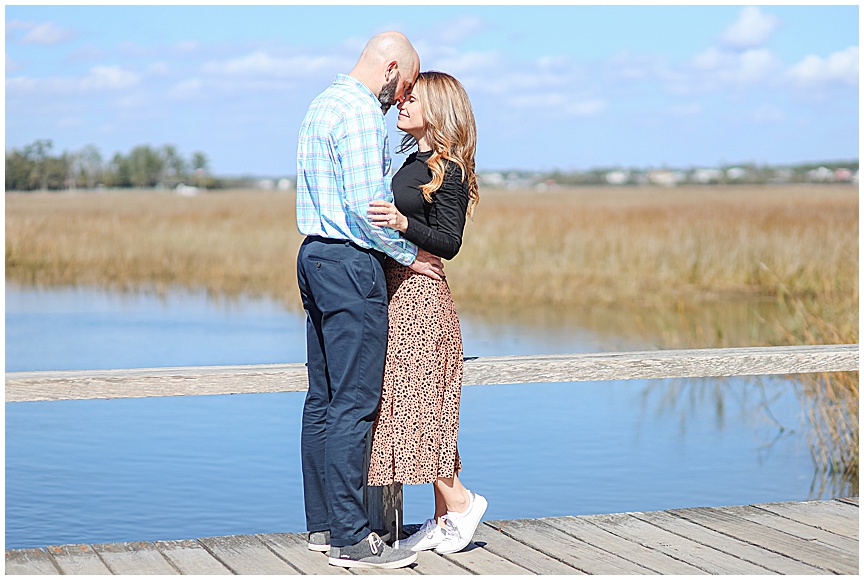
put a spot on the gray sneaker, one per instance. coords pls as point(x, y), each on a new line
point(371, 553)
point(319, 541)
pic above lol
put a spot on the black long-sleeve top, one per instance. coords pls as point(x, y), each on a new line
point(436, 227)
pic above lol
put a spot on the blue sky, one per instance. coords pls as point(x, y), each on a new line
point(553, 87)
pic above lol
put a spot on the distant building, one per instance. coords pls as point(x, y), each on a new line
point(843, 174)
point(492, 179)
point(736, 173)
point(617, 177)
point(285, 184)
point(665, 177)
point(820, 174)
point(186, 190)
point(706, 176)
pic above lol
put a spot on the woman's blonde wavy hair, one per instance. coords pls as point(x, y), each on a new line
point(450, 130)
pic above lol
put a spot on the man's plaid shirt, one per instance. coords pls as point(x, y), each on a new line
point(343, 163)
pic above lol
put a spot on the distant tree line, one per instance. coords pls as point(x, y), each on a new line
point(33, 167)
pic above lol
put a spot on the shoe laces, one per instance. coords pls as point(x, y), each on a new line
point(375, 542)
point(450, 529)
point(429, 528)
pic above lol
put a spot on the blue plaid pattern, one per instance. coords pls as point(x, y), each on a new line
point(343, 163)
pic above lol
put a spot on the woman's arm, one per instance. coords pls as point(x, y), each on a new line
point(450, 207)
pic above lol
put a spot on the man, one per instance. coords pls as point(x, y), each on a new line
point(343, 163)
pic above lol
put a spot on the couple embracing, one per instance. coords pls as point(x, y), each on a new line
point(384, 349)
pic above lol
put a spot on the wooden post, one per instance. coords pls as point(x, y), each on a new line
point(383, 503)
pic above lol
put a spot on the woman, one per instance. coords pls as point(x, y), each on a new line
point(414, 437)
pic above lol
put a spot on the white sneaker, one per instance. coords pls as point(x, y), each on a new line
point(460, 527)
point(426, 538)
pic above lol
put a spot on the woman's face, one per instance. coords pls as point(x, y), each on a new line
point(411, 116)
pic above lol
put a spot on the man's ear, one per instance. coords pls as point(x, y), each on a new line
point(392, 69)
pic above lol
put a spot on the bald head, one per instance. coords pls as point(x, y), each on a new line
point(388, 65)
point(389, 46)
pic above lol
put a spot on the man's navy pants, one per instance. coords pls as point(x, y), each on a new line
point(345, 297)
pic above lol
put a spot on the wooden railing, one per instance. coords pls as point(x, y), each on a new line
point(385, 504)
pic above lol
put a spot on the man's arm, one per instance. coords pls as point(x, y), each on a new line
point(361, 154)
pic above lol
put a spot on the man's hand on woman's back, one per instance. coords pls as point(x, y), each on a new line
point(428, 265)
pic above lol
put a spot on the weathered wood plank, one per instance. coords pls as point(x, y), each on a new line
point(734, 547)
point(246, 555)
point(134, 558)
point(490, 538)
point(29, 561)
point(675, 550)
point(154, 382)
point(564, 547)
point(670, 364)
point(294, 548)
point(819, 555)
point(407, 571)
point(479, 560)
point(77, 559)
point(190, 557)
point(223, 380)
point(832, 516)
point(431, 564)
point(604, 533)
point(849, 500)
point(790, 526)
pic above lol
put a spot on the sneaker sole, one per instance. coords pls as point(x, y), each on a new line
point(384, 566)
point(319, 547)
point(461, 546)
point(421, 547)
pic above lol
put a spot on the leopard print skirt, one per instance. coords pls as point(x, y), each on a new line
point(414, 436)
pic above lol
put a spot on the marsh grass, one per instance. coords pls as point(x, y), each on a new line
point(679, 267)
point(683, 267)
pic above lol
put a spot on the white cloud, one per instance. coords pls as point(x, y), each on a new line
point(47, 33)
point(752, 29)
point(839, 67)
point(626, 66)
point(263, 64)
point(712, 59)
point(159, 68)
point(108, 78)
point(99, 79)
point(559, 103)
point(756, 65)
point(187, 89)
point(714, 68)
point(458, 63)
point(16, 24)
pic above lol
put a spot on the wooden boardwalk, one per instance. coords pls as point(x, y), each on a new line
point(815, 537)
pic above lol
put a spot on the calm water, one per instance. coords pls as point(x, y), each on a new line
point(184, 467)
